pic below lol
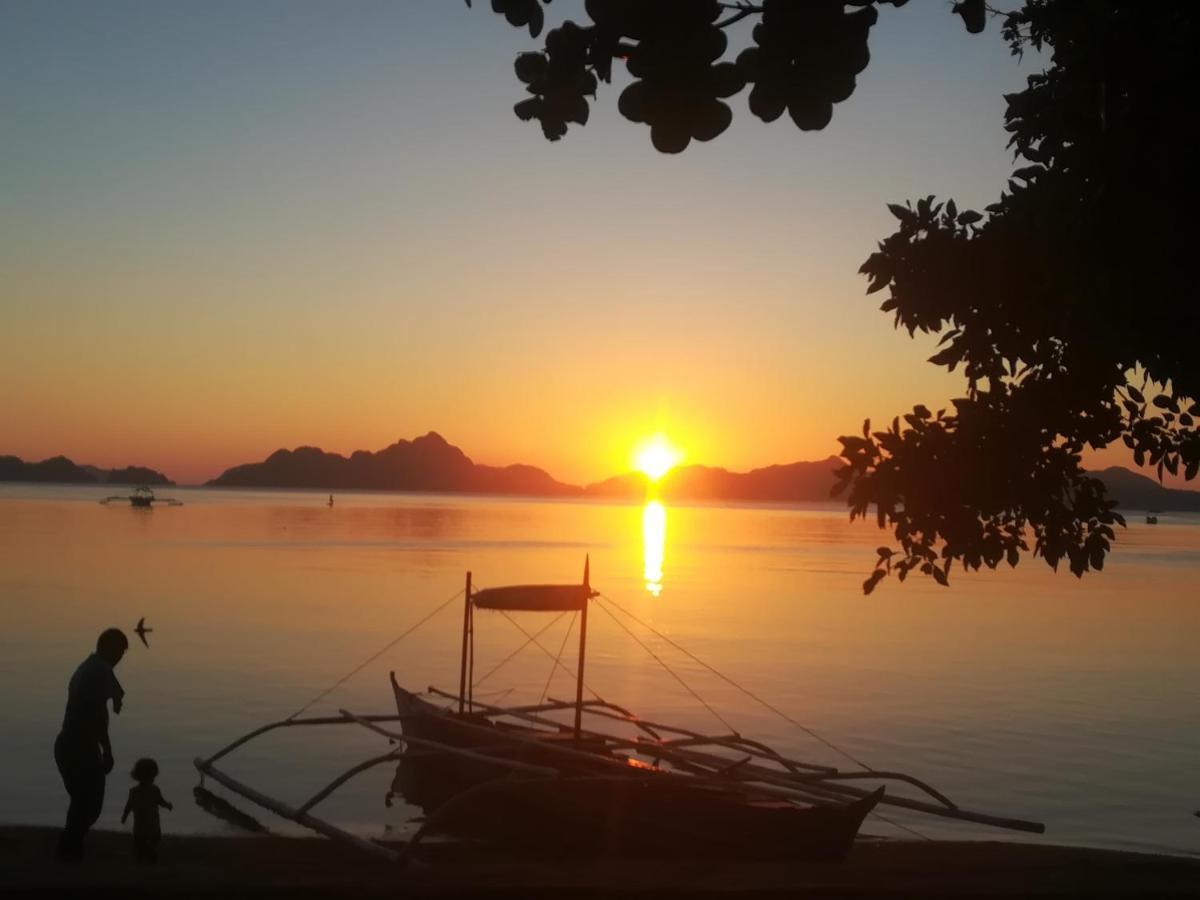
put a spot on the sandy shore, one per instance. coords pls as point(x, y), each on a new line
point(230, 867)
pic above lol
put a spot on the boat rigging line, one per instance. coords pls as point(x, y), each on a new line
point(557, 665)
point(528, 641)
point(807, 730)
point(374, 656)
point(561, 647)
point(668, 669)
point(749, 693)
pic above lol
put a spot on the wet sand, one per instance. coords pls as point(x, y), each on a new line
point(231, 867)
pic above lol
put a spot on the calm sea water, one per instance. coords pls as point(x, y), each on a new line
point(1018, 692)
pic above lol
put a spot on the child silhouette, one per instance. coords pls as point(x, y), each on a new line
point(144, 801)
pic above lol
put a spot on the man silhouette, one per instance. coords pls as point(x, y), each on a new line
point(82, 750)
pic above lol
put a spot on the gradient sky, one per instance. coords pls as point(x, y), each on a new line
point(227, 227)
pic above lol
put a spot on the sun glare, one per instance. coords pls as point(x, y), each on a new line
point(656, 457)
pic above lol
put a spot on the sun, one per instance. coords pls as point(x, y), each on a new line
point(655, 457)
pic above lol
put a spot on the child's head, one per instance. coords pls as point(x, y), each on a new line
point(145, 770)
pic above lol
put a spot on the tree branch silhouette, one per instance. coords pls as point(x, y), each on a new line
point(1052, 301)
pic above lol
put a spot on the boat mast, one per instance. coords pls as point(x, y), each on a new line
point(462, 677)
point(471, 663)
point(582, 648)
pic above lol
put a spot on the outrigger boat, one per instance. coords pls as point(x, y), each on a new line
point(143, 498)
point(521, 775)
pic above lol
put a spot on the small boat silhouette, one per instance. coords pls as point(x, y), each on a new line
point(143, 498)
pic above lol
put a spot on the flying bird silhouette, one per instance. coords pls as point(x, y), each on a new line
point(141, 631)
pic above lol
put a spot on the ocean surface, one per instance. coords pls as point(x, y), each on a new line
point(1018, 692)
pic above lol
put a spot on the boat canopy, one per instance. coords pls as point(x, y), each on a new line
point(559, 598)
point(534, 597)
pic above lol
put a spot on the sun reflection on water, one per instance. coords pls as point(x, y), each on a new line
point(654, 535)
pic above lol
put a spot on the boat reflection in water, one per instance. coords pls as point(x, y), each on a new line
point(654, 538)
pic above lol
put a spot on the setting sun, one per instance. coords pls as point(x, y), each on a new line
point(655, 457)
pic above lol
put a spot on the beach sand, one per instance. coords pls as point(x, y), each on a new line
point(231, 867)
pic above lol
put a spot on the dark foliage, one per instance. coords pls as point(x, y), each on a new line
point(804, 60)
point(1066, 305)
point(1072, 285)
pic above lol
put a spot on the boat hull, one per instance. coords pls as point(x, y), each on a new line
point(596, 806)
point(430, 780)
point(655, 815)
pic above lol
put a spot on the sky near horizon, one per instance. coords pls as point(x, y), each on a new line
point(229, 227)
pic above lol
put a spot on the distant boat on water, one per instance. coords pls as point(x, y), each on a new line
point(143, 498)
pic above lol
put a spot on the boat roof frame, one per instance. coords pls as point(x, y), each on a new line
point(526, 598)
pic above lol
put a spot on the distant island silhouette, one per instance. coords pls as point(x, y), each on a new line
point(427, 463)
point(61, 470)
point(1134, 491)
point(798, 482)
point(431, 464)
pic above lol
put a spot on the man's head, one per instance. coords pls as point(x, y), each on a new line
point(111, 645)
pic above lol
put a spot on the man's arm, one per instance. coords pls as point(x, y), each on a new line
point(117, 693)
point(106, 754)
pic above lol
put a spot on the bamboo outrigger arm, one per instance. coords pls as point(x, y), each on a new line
point(804, 792)
point(288, 723)
point(766, 781)
point(836, 789)
point(301, 815)
point(298, 816)
point(734, 741)
point(619, 764)
point(320, 795)
point(474, 754)
point(737, 742)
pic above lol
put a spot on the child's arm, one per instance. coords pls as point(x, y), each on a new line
point(162, 801)
point(128, 808)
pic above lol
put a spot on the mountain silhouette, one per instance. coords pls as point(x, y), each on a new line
point(431, 464)
point(59, 469)
point(428, 464)
point(798, 482)
point(128, 475)
point(1134, 491)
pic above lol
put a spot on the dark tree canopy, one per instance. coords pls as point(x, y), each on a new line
point(804, 59)
point(1067, 304)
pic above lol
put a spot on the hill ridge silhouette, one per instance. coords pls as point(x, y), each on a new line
point(430, 463)
point(61, 470)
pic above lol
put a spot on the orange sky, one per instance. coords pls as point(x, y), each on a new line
point(245, 230)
